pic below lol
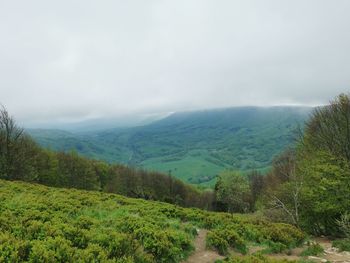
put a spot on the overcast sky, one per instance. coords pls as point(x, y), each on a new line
point(78, 59)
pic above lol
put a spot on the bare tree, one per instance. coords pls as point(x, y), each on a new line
point(11, 137)
point(291, 206)
point(286, 197)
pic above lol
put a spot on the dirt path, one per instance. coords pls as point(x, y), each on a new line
point(201, 254)
point(330, 254)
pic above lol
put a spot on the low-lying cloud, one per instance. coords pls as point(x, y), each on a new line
point(89, 59)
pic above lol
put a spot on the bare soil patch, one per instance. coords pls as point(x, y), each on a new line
point(331, 254)
point(201, 253)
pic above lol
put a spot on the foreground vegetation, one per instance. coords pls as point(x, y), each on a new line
point(42, 224)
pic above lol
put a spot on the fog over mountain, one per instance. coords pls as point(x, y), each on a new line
point(72, 61)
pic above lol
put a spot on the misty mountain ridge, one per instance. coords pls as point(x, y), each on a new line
point(194, 146)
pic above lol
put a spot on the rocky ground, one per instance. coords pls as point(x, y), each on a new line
point(331, 254)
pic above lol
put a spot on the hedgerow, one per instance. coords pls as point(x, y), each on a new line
point(42, 224)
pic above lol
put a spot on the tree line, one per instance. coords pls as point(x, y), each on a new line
point(23, 159)
point(309, 183)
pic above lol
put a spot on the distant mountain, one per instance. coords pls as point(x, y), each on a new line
point(194, 146)
point(66, 141)
point(97, 124)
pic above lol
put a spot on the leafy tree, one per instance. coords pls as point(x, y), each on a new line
point(326, 192)
point(232, 190)
point(324, 159)
point(78, 172)
point(47, 167)
point(17, 150)
point(256, 185)
point(284, 187)
point(310, 186)
point(329, 128)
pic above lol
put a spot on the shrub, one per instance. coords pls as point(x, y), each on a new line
point(283, 233)
point(274, 247)
point(51, 250)
point(342, 244)
point(314, 249)
point(214, 240)
point(13, 249)
point(115, 244)
point(41, 224)
point(344, 224)
point(93, 253)
point(234, 239)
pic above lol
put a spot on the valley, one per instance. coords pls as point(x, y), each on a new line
point(193, 146)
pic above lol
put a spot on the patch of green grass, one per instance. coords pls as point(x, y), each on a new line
point(192, 169)
point(274, 248)
point(313, 249)
point(342, 244)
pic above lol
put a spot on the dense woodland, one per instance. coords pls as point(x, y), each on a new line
point(309, 183)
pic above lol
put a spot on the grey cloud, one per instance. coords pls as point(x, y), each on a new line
point(90, 59)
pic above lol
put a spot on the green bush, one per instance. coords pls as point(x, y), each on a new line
point(342, 244)
point(41, 224)
point(51, 250)
point(314, 249)
point(283, 233)
point(13, 249)
point(274, 247)
point(216, 241)
point(115, 244)
point(223, 238)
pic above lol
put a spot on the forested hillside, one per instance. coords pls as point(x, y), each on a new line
point(308, 184)
point(23, 159)
point(193, 146)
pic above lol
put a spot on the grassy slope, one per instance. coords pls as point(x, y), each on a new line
point(43, 224)
point(194, 146)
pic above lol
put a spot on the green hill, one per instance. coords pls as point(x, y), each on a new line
point(193, 146)
point(61, 140)
point(43, 224)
